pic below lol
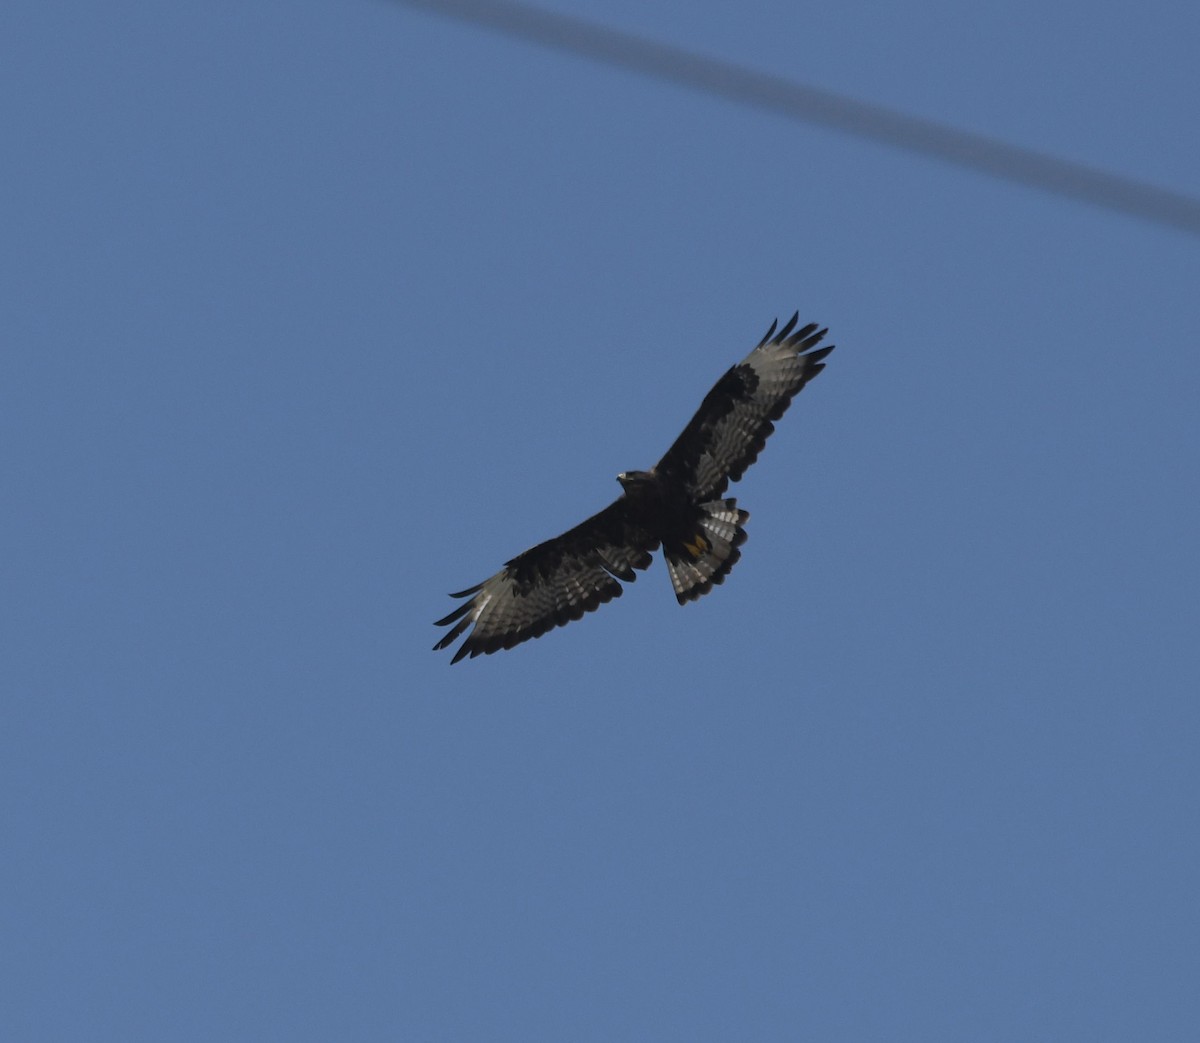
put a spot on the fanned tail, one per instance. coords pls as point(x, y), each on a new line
point(703, 559)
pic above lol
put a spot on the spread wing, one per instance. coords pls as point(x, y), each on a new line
point(733, 423)
point(551, 584)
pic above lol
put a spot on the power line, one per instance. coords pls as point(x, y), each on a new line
point(812, 105)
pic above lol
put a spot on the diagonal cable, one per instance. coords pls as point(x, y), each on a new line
point(961, 148)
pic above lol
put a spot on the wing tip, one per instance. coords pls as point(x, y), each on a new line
point(770, 333)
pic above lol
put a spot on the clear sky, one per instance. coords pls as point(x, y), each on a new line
point(315, 311)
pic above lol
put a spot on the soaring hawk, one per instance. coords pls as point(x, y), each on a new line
point(677, 503)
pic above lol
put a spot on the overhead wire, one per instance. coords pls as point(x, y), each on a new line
point(796, 101)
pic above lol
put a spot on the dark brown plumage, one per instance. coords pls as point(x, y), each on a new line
point(677, 504)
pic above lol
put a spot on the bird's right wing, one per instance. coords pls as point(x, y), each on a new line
point(551, 584)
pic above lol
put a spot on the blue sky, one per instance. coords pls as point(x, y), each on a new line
point(314, 312)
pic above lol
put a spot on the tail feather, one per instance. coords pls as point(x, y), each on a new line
point(703, 559)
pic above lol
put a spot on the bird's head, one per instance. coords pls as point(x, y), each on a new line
point(632, 479)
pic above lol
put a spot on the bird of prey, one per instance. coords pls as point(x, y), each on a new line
point(678, 503)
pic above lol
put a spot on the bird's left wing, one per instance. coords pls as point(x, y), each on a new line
point(732, 424)
point(551, 584)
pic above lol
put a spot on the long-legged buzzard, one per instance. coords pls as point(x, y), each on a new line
point(677, 503)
